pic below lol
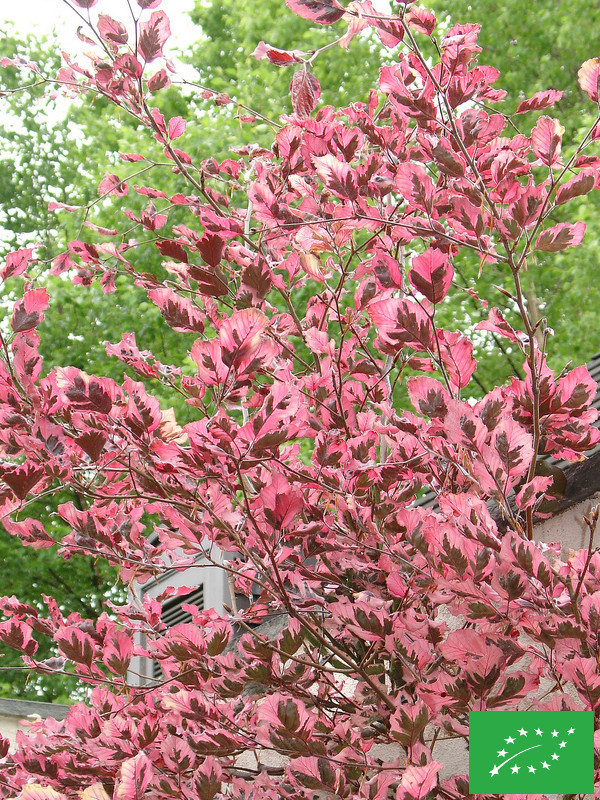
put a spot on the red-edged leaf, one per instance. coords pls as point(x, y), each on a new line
point(546, 140)
point(177, 127)
point(560, 237)
point(111, 30)
point(304, 91)
point(589, 78)
point(431, 274)
point(240, 335)
point(579, 185)
point(153, 35)
point(28, 312)
point(539, 100)
point(136, 774)
point(337, 176)
point(16, 263)
point(323, 12)
point(85, 3)
point(148, 3)
point(281, 58)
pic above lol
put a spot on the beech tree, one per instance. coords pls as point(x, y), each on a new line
point(315, 426)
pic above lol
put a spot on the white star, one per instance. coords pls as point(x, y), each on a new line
point(531, 768)
point(515, 768)
point(554, 756)
point(554, 733)
point(523, 732)
point(510, 740)
point(545, 765)
point(538, 731)
point(571, 730)
point(562, 744)
point(494, 771)
point(501, 753)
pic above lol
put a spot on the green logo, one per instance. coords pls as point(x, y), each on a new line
point(531, 752)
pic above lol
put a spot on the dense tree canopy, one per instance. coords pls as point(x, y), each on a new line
point(307, 284)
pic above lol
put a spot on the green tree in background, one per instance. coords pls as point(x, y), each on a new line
point(538, 46)
point(51, 149)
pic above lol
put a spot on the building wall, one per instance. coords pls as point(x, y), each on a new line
point(15, 714)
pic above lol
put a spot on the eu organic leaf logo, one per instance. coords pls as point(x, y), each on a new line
point(531, 752)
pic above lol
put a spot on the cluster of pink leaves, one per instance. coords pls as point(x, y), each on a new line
point(397, 619)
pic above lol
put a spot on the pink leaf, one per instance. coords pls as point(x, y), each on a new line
point(431, 274)
point(281, 58)
point(177, 127)
point(546, 140)
point(240, 335)
point(18, 635)
point(35, 791)
point(337, 176)
point(111, 30)
point(16, 263)
point(281, 502)
point(28, 312)
point(136, 775)
point(304, 91)
point(112, 184)
point(153, 35)
point(539, 100)
point(417, 782)
point(589, 78)
point(85, 3)
point(560, 237)
point(159, 81)
point(576, 187)
point(421, 19)
point(323, 12)
point(180, 313)
point(148, 3)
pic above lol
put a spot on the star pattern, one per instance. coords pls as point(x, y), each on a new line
point(531, 768)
